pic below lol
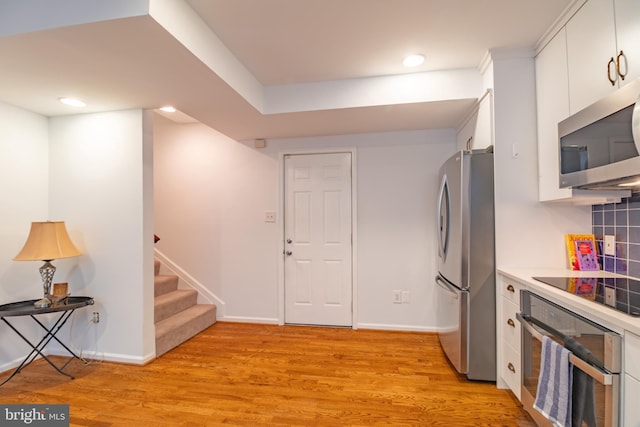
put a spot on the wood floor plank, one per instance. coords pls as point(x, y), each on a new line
point(266, 375)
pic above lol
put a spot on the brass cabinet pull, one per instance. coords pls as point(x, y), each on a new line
point(511, 367)
point(620, 56)
point(612, 80)
point(510, 288)
point(511, 323)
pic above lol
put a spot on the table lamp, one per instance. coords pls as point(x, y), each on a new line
point(47, 241)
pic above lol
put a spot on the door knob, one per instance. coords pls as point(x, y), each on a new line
point(289, 241)
point(289, 253)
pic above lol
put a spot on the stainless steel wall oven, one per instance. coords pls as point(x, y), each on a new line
point(596, 359)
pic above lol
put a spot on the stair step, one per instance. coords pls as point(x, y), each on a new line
point(164, 284)
point(168, 304)
point(156, 267)
point(181, 326)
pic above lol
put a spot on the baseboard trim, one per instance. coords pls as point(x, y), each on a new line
point(13, 364)
point(405, 328)
point(109, 357)
point(92, 357)
point(380, 326)
point(240, 319)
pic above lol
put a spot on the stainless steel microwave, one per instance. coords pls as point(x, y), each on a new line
point(599, 145)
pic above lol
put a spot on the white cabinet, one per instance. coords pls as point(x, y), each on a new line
point(590, 44)
point(552, 87)
point(509, 334)
point(627, 15)
point(483, 136)
point(631, 414)
point(464, 137)
point(632, 354)
point(477, 130)
point(602, 38)
point(511, 347)
point(555, 87)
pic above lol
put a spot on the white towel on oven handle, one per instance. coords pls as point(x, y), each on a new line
point(553, 397)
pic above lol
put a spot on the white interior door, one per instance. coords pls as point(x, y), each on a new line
point(318, 246)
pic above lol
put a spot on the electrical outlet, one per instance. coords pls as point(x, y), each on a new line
point(610, 296)
point(610, 245)
point(96, 317)
point(397, 297)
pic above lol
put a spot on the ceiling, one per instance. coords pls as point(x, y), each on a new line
point(276, 68)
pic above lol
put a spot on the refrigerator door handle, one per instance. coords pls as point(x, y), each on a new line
point(447, 287)
point(443, 218)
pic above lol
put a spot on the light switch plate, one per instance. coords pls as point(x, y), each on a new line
point(269, 216)
point(406, 297)
point(397, 296)
point(609, 245)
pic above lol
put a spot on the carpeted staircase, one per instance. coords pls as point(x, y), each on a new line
point(178, 316)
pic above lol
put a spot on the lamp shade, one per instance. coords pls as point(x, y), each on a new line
point(47, 241)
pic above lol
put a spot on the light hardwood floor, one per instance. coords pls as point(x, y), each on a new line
point(266, 375)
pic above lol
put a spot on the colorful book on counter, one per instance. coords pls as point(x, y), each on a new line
point(581, 252)
point(586, 254)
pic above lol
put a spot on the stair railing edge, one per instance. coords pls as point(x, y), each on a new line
point(190, 281)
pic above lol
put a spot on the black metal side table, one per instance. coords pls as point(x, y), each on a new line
point(26, 308)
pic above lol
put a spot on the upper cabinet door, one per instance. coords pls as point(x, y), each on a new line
point(627, 14)
point(483, 136)
point(553, 106)
point(477, 132)
point(591, 44)
point(465, 136)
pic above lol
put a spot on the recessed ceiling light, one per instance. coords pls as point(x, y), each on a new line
point(168, 109)
point(73, 102)
point(630, 184)
point(413, 60)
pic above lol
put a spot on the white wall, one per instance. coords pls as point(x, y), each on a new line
point(529, 234)
point(211, 194)
point(94, 172)
point(24, 192)
point(100, 168)
point(210, 197)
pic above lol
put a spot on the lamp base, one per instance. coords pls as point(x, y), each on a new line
point(46, 272)
point(42, 303)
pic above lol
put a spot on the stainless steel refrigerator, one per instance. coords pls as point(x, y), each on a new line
point(465, 285)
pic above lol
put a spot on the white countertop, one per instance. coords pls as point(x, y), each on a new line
point(606, 316)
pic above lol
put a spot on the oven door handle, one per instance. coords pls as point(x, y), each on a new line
point(597, 374)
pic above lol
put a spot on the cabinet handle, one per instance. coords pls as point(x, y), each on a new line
point(510, 288)
point(609, 64)
point(511, 323)
point(511, 367)
point(620, 56)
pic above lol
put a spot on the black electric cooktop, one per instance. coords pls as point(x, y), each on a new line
point(621, 294)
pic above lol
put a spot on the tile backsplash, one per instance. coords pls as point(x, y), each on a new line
point(621, 220)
